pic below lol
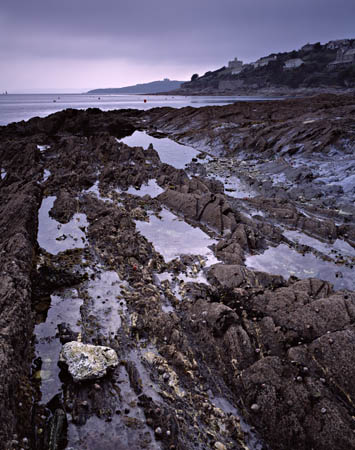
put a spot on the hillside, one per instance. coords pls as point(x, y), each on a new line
point(314, 66)
point(153, 87)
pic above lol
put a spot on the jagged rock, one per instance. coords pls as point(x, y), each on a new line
point(211, 209)
point(57, 430)
point(218, 316)
point(230, 252)
point(86, 361)
point(19, 203)
point(235, 276)
point(281, 351)
point(64, 207)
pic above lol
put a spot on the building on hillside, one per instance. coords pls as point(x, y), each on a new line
point(308, 47)
point(340, 43)
point(264, 61)
point(345, 57)
point(293, 63)
point(235, 66)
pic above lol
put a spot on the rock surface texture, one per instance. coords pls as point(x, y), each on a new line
point(87, 362)
point(19, 203)
point(242, 338)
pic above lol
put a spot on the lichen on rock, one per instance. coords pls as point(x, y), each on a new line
point(86, 361)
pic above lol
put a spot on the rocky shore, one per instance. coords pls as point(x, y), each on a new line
point(224, 290)
point(230, 88)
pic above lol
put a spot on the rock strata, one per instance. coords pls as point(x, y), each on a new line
point(20, 198)
point(213, 353)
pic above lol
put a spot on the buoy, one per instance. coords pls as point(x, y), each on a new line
point(145, 100)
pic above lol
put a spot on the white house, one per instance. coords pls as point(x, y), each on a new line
point(344, 58)
point(235, 66)
point(264, 61)
point(293, 63)
point(349, 56)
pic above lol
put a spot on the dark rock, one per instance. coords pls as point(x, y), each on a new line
point(209, 209)
point(236, 276)
point(19, 203)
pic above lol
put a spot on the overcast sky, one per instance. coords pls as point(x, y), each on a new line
point(81, 44)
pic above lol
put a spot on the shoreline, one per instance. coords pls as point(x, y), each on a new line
point(251, 348)
point(277, 92)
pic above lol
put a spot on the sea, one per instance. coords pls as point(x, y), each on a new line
point(17, 107)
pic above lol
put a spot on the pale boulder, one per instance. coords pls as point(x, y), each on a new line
point(86, 361)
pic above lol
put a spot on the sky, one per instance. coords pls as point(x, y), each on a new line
point(76, 45)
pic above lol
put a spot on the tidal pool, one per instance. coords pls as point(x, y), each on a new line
point(64, 308)
point(170, 152)
point(103, 291)
point(337, 247)
point(46, 175)
point(151, 188)
point(235, 187)
point(172, 237)
point(55, 237)
point(282, 260)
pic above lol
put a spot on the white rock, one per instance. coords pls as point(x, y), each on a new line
point(86, 361)
point(219, 446)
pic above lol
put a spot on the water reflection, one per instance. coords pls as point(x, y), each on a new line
point(55, 237)
point(170, 152)
point(172, 237)
point(282, 260)
point(64, 308)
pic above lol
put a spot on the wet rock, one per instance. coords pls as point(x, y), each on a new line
point(255, 407)
point(73, 121)
point(87, 362)
point(57, 437)
point(208, 208)
point(274, 374)
point(66, 334)
point(236, 276)
point(52, 275)
point(19, 204)
point(134, 377)
point(323, 315)
point(229, 252)
point(219, 446)
point(64, 207)
point(280, 350)
point(218, 316)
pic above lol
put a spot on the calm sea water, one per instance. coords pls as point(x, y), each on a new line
point(16, 107)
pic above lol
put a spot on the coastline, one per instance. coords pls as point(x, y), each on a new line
point(266, 92)
point(257, 356)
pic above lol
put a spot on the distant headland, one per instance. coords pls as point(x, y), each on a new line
point(153, 87)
